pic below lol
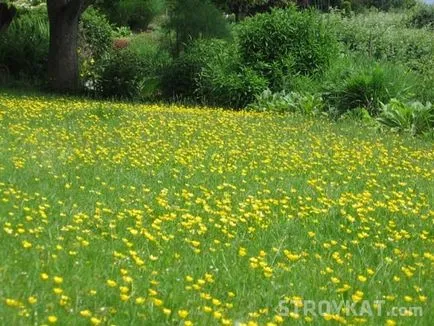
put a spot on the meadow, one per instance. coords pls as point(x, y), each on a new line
point(130, 214)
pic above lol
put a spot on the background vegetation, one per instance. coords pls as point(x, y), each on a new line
point(357, 56)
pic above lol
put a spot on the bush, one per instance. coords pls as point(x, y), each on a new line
point(152, 55)
point(120, 75)
point(425, 89)
point(286, 42)
point(133, 72)
point(209, 71)
point(293, 102)
point(359, 115)
point(231, 89)
point(95, 39)
point(193, 19)
point(180, 79)
point(95, 34)
point(364, 84)
point(137, 14)
point(24, 45)
point(422, 17)
point(413, 117)
point(122, 31)
point(154, 60)
point(222, 80)
point(385, 36)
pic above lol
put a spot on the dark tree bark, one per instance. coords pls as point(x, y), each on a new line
point(6, 16)
point(64, 15)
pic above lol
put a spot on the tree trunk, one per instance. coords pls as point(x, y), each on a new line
point(6, 16)
point(63, 72)
point(62, 57)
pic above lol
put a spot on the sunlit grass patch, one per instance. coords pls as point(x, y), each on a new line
point(115, 213)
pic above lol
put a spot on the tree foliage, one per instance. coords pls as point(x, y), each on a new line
point(137, 14)
point(243, 8)
point(193, 19)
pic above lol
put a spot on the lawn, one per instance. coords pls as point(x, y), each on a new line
point(127, 214)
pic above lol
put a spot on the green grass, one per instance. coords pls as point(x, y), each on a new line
point(147, 213)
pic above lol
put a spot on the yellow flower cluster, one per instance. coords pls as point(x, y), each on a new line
point(115, 214)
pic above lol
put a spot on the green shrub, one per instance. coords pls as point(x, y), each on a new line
point(120, 75)
point(121, 31)
point(222, 80)
point(282, 102)
point(133, 72)
point(385, 36)
point(366, 90)
point(286, 42)
point(413, 117)
point(231, 89)
point(193, 19)
point(137, 14)
point(154, 60)
point(425, 89)
point(359, 115)
point(24, 45)
point(209, 72)
point(152, 55)
point(267, 101)
point(422, 17)
point(180, 78)
point(305, 84)
point(364, 84)
point(95, 34)
point(95, 39)
point(364, 5)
